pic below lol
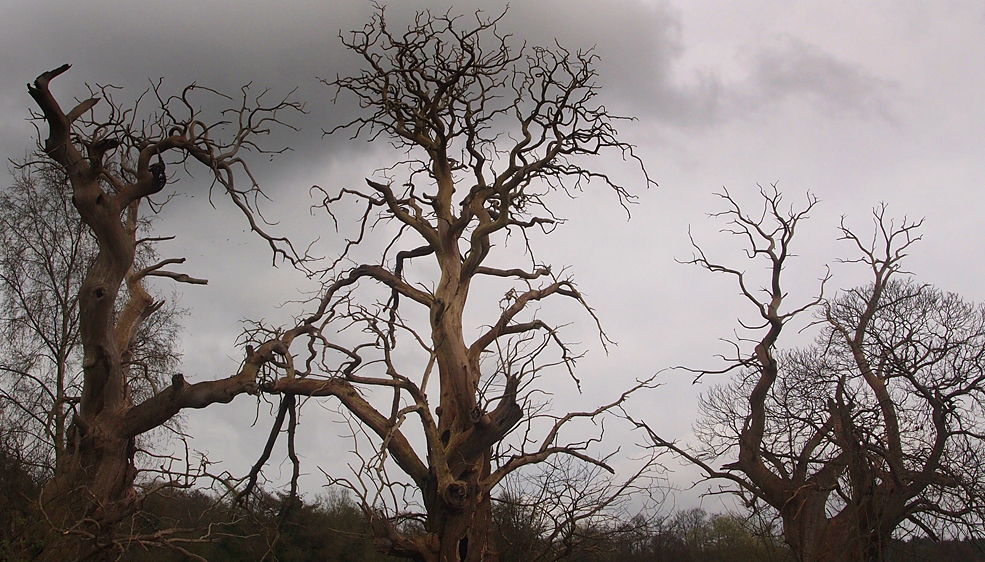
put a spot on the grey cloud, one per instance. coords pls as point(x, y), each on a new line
point(795, 68)
point(640, 47)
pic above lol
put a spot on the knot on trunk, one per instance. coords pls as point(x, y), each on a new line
point(160, 177)
point(456, 494)
point(475, 414)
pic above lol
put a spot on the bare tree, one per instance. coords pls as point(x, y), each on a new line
point(488, 130)
point(45, 252)
point(877, 425)
point(114, 161)
point(571, 510)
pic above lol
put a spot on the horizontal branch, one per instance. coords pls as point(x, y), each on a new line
point(179, 277)
point(180, 395)
point(518, 273)
point(156, 270)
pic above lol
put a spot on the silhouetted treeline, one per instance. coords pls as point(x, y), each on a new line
point(331, 529)
point(924, 550)
point(19, 489)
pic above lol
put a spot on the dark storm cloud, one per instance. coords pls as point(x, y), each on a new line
point(220, 45)
point(283, 46)
point(223, 45)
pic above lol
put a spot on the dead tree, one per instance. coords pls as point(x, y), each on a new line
point(874, 428)
point(45, 253)
point(488, 132)
point(115, 160)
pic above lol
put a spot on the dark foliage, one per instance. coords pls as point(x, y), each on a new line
point(19, 489)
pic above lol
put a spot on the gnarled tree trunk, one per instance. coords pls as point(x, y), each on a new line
point(93, 486)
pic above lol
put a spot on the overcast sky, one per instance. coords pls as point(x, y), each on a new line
point(856, 102)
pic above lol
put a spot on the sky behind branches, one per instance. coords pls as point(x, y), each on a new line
point(857, 103)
